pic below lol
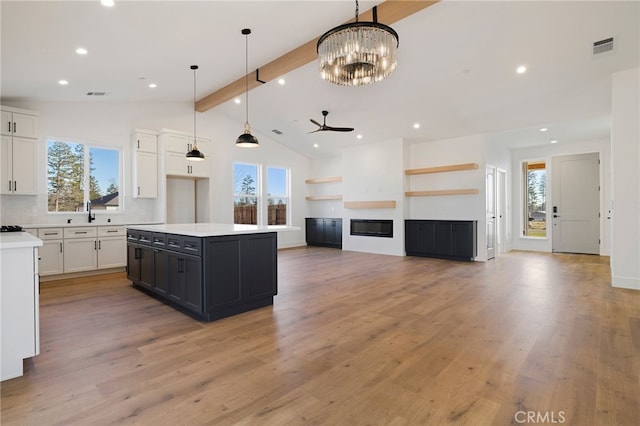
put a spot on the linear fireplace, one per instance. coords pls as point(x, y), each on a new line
point(372, 227)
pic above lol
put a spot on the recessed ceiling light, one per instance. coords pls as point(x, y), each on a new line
point(315, 145)
point(553, 141)
point(63, 82)
point(107, 3)
point(236, 100)
point(359, 136)
point(81, 51)
point(281, 82)
point(521, 69)
point(416, 125)
point(153, 85)
point(544, 129)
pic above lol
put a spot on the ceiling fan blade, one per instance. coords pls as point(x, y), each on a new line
point(340, 129)
point(319, 130)
point(315, 122)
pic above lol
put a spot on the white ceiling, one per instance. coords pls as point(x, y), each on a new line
point(456, 65)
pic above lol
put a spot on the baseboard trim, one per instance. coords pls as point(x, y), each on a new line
point(624, 282)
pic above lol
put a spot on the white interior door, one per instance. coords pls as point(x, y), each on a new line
point(491, 212)
point(576, 203)
point(501, 211)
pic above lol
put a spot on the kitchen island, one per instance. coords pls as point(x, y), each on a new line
point(206, 270)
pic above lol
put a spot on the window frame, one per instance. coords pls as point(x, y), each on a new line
point(257, 196)
point(86, 178)
point(286, 196)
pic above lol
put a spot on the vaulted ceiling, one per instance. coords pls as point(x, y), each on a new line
point(456, 65)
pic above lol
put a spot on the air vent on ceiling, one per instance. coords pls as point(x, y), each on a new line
point(96, 93)
point(603, 46)
point(277, 132)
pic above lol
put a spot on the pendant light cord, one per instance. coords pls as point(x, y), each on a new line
point(246, 76)
point(195, 143)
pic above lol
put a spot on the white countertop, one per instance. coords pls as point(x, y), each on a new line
point(84, 224)
point(9, 240)
point(211, 229)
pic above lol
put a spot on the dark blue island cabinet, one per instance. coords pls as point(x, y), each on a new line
point(207, 277)
point(445, 239)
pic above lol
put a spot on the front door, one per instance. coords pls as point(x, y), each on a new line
point(576, 203)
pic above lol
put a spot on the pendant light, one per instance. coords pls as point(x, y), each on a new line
point(358, 53)
point(246, 139)
point(194, 154)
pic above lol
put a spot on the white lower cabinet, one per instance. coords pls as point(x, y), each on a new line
point(80, 254)
point(52, 252)
point(112, 247)
point(80, 249)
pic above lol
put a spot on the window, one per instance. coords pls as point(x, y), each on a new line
point(245, 194)
point(277, 196)
point(535, 201)
point(249, 205)
point(77, 173)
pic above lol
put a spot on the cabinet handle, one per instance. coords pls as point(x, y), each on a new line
point(15, 186)
point(136, 253)
point(111, 230)
point(99, 245)
point(80, 232)
point(138, 190)
point(95, 245)
point(9, 186)
point(50, 233)
point(180, 266)
point(60, 247)
point(15, 128)
point(9, 122)
point(138, 143)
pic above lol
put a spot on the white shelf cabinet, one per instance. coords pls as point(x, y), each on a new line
point(19, 124)
point(145, 164)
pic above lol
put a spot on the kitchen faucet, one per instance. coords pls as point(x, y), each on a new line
point(92, 217)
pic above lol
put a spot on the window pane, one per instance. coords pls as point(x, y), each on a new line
point(277, 211)
point(535, 206)
point(276, 182)
point(65, 181)
point(104, 178)
point(245, 179)
point(245, 210)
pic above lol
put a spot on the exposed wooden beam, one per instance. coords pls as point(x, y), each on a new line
point(389, 11)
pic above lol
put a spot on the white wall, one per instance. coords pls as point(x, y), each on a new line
point(374, 173)
point(625, 178)
point(546, 152)
point(111, 124)
point(330, 167)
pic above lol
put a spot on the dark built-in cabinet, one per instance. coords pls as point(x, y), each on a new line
point(446, 239)
point(326, 232)
point(209, 277)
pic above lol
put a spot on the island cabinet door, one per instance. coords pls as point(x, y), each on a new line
point(161, 263)
point(260, 266)
point(175, 278)
point(185, 281)
point(133, 262)
point(146, 267)
point(223, 268)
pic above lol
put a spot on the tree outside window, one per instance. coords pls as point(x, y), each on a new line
point(245, 203)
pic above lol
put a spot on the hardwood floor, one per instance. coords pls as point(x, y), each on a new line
point(353, 339)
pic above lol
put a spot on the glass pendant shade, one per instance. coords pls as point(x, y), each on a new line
point(358, 53)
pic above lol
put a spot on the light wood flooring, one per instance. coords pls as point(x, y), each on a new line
point(353, 339)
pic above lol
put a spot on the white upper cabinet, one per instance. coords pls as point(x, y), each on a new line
point(176, 146)
point(145, 164)
point(19, 152)
point(19, 124)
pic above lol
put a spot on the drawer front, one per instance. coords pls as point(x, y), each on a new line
point(159, 239)
point(174, 242)
point(145, 237)
point(191, 245)
point(111, 231)
point(88, 232)
point(50, 233)
point(132, 235)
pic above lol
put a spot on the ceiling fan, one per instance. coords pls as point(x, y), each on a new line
point(323, 127)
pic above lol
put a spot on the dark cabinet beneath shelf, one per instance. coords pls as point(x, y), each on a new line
point(447, 239)
point(326, 232)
